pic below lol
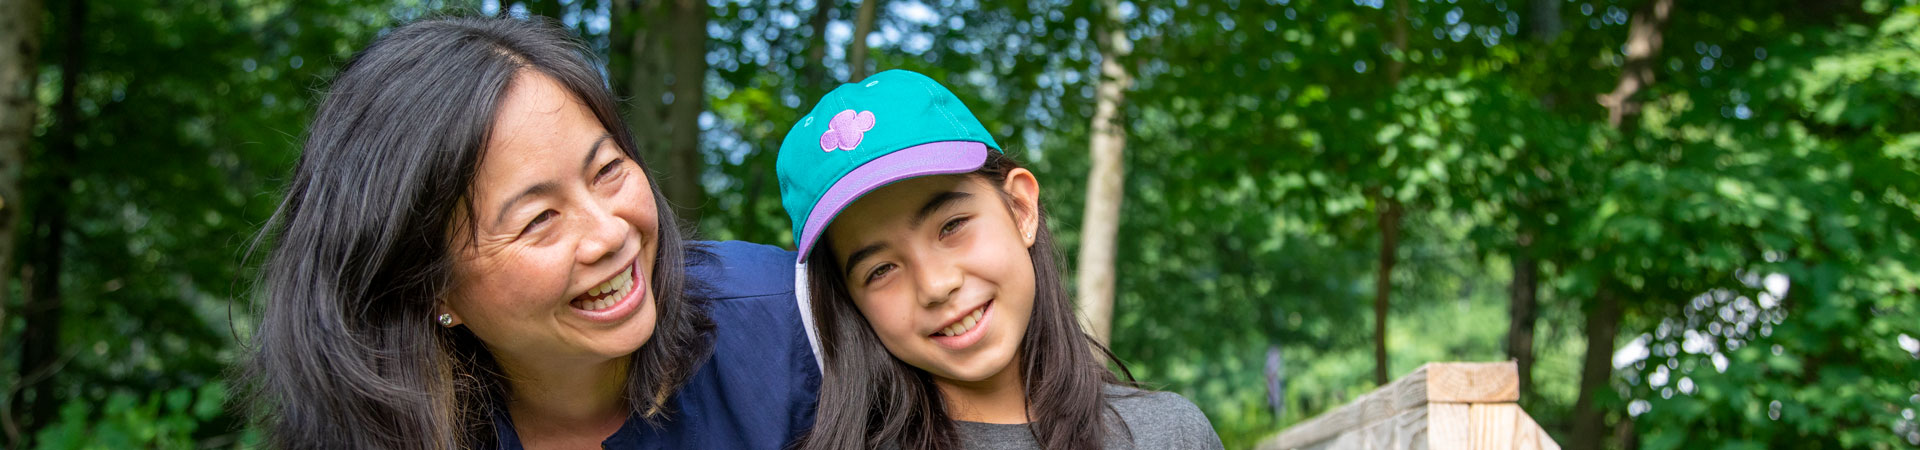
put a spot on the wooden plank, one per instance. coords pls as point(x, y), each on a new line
point(1402, 400)
point(1493, 425)
point(1472, 382)
point(1447, 425)
point(1409, 429)
point(1532, 436)
point(1327, 426)
point(1381, 404)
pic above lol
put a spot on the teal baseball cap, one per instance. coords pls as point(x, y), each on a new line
point(892, 126)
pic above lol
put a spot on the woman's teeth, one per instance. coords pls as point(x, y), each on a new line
point(964, 325)
point(617, 287)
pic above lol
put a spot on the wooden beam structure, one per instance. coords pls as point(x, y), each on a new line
point(1438, 406)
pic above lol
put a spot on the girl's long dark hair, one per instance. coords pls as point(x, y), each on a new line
point(347, 353)
point(870, 399)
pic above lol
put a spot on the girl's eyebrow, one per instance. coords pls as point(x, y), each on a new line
point(938, 201)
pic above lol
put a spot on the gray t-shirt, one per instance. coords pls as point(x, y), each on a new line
point(1157, 420)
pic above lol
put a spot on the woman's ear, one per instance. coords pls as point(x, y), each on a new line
point(444, 316)
point(1024, 192)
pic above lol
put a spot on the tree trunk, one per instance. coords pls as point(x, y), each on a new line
point(1100, 228)
point(1545, 26)
point(40, 342)
point(1603, 325)
point(857, 50)
point(1383, 285)
point(1397, 65)
point(816, 72)
point(1623, 105)
point(645, 79)
point(687, 54)
point(1389, 219)
point(19, 72)
point(1523, 293)
point(665, 57)
point(1522, 312)
point(1643, 48)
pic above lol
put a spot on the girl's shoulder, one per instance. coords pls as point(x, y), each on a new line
point(1159, 419)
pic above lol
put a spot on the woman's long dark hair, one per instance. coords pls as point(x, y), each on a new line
point(347, 353)
point(870, 399)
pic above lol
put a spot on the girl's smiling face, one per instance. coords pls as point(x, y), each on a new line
point(939, 267)
point(564, 236)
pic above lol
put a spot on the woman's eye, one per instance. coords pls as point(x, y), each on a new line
point(538, 221)
point(952, 225)
point(608, 169)
point(877, 272)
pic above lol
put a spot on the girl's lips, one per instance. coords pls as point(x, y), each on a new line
point(622, 308)
point(972, 336)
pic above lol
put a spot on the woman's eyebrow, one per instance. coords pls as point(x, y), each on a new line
point(549, 186)
point(594, 150)
point(536, 190)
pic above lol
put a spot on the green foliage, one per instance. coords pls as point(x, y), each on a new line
point(1760, 218)
point(166, 419)
point(1823, 191)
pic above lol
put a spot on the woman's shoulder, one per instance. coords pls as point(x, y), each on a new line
point(1159, 419)
point(727, 270)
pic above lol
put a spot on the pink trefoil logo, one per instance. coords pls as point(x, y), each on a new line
point(846, 130)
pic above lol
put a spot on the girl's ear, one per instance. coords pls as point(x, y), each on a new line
point(1024, 191)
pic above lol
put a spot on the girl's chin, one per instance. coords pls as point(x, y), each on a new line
point(976, 372)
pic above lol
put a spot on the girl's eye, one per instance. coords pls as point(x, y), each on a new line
point(538, 221)
point(952, 225)
point(878, 271)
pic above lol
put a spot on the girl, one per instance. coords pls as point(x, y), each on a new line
point(940, 313)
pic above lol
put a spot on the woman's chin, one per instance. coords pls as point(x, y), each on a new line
point(623, 338)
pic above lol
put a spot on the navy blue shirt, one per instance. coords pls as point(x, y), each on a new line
point(757, 390)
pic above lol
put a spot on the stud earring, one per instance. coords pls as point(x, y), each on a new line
point(1029, 235)
point(446, 320)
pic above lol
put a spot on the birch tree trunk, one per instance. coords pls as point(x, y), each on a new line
point(1100, 227)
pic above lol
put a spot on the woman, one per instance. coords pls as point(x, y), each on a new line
point(472, 255)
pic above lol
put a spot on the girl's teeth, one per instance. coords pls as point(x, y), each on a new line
point(964, 325)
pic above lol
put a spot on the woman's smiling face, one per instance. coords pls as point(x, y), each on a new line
point(939, 267)
point(564, 236)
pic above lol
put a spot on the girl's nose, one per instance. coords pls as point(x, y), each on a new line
point(939, 280)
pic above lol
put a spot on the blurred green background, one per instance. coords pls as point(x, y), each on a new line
point(1725, 219)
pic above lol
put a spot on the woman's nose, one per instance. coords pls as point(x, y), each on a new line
point(603, 234)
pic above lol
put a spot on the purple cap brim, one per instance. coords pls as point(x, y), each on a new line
point(933, 158)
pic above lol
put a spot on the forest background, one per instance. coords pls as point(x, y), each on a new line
point(1691, 223)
